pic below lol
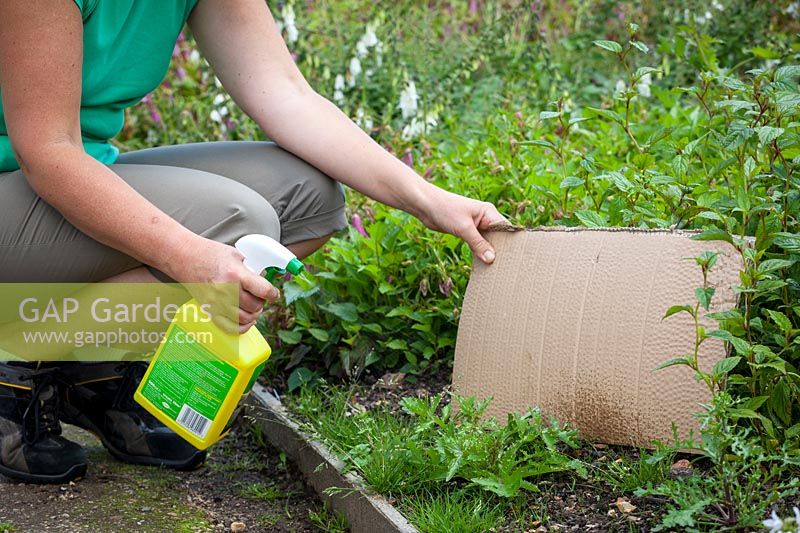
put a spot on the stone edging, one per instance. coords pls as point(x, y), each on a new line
point(365, 511)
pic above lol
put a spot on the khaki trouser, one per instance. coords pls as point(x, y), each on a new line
point(220, 190)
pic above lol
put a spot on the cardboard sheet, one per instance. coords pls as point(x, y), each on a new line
point(571, 321)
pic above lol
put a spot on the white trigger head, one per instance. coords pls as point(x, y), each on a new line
point(261, 252)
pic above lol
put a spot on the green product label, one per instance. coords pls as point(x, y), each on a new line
point(188, 382)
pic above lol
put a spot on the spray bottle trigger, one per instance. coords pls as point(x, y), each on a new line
point(272, 272)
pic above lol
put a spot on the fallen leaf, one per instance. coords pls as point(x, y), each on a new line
point(624, 505)
point(682, 468)
point(391, 380)
point(238, 526)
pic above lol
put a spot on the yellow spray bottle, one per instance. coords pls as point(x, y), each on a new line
point(200, 373)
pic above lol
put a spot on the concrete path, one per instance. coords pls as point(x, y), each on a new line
point(242, 483)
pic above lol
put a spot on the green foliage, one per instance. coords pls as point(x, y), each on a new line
point(328, 520)
point(371, 301)
point(626, 474)
point(262, 491)
point(747, 477)
point(435, 444)
point(719, 155)
point(452, 512)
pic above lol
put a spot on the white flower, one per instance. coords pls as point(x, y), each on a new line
point(355, 70)
point(223, 111)
point(219, 99)
point(793, 10)
point(408, 100)
point(418, 126)
point(367, 41)
point(287, 13)
point(338, 83)
point(194, 57)
point(363, 120)
point(370, 39)
point(774, 524)
point(702, 18)
point(716, 5)
point(708, 15)
point(215, 116)
point(643, 87)
point(291, 34)
point(369, 72)
point(620, 87)
point(338, 89)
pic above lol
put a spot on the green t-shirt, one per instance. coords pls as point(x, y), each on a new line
point(127, 46)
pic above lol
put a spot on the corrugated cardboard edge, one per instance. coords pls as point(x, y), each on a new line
point(510, 228)
point(365, 511)
point(476, 385)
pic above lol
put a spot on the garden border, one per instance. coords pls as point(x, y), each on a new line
point(364, 510)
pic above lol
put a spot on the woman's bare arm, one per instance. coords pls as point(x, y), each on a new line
point(242, 43)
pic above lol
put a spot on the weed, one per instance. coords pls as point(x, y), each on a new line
point(434, 443)
point(327, 520)
point(268, 520)
point(255, 433)
point(267, 492)
point(746, 479)
point(283, 461)
point(457, 512)
point(236, 460)
point(627, 474)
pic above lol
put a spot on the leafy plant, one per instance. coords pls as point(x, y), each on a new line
point(328, 520)
point(627, 475)
point(747, 478)
point(435, 444)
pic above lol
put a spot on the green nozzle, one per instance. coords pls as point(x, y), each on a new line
point(295, 266)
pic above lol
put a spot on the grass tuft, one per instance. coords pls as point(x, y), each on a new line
point(452, 512)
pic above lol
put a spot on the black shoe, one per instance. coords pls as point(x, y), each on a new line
point(31, 446)
point(100, 400)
